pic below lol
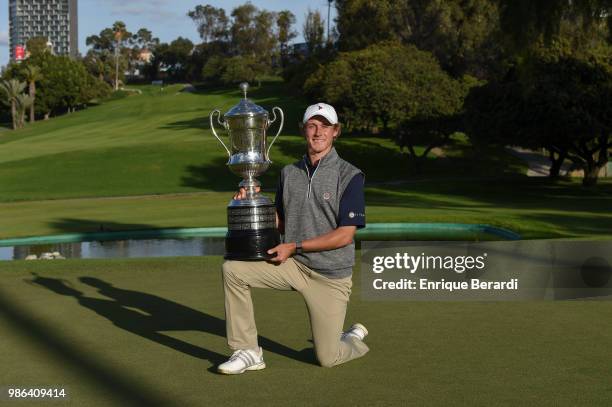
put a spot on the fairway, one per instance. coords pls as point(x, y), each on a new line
point(150, 161)
point(149, 332)
point(157, 142)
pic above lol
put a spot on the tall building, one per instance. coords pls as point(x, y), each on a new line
point(54, 19)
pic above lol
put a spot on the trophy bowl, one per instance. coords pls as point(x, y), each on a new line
point(251, 222)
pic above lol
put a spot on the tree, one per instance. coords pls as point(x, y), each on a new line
point(361, 23)
point(252, 35)
point(243, 29)
point(140, 43)
point(143, 39)
point(313, 31)
point(535, 22)
point(94, 90)
point(213, 69)
point(109, 55)
point(121, 35)
point(239, 69)
point(37, 45)
point(12, 88)
point(32, 75)
point(174, 57)
point(24, 102)
point(572, 97)
point(101, 64)
point(102, 42)
point(60, 88)
point(265, 41)
point(557, 102)
point(461, 34)
point(284, 22)
point(212, 22)
point(388, 84)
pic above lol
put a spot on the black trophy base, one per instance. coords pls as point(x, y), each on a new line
point(250, 244)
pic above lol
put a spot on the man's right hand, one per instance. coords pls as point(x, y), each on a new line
point(241, 194)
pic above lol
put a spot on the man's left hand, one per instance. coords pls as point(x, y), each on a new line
point(283, 251)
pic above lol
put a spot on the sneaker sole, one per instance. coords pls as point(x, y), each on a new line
point(258, 366)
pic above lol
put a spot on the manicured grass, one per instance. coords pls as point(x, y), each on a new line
point(160, 142)
point(150, 331)
point(156, 151)
point(532, 207)
point(143, 144)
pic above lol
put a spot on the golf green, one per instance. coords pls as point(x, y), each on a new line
point(150, 332)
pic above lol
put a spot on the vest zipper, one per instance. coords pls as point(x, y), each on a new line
point(309, 177)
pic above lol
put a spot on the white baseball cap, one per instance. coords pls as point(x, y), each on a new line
point(321, 109)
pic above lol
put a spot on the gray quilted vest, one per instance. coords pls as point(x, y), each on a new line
point(311, 209)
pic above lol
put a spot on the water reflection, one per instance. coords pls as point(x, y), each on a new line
point(197, 246)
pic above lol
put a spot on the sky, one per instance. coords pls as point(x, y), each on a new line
point(167, 19)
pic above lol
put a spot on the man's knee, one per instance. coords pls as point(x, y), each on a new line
point(327, 358)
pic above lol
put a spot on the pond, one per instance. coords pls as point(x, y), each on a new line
point(211, 241)
point(197, 246)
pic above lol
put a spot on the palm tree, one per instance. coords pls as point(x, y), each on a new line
point(24, 101)
point(32, 74)
point(13, 88)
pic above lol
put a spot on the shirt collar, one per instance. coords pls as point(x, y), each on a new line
point(325, 161)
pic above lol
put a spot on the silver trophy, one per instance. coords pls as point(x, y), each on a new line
point(251, 222)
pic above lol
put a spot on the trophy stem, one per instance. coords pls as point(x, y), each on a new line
point(250, 184)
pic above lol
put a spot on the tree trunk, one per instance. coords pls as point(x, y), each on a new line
point(591, 174)
point(47, 115)
point(14, 114)
point(593, 167)
point(33, 95)
point(555, 168)
point(414, 159)
point(385, 121)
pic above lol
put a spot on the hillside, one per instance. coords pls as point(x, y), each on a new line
point(149, 160)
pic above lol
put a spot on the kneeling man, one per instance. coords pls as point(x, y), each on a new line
point(319, 205)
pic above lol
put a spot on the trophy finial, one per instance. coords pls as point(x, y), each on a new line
point(244, 86)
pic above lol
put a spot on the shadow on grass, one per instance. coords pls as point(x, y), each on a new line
point(157, 314)
point(117, 384)
point(201, 122)
point(575, 225)
point(554, 209)
point(215, 175)
point(268, 95)
point(509, 192)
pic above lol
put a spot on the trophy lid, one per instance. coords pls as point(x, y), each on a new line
point(245, 107)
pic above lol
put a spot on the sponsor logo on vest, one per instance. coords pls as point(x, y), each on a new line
point(326, 195)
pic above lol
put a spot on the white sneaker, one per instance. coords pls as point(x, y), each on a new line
point(357, 330)
point(242, 360)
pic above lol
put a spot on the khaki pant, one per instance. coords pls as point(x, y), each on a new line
point(326, 300)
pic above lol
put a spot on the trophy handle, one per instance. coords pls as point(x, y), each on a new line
point(212, 127)
point(282, 120)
